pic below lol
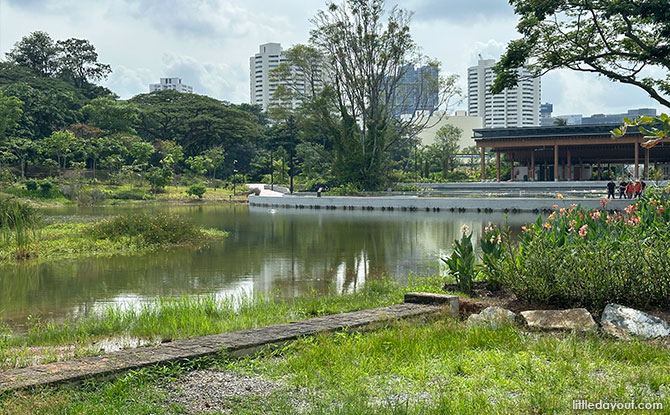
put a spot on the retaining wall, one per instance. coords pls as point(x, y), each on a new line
point(414, 203)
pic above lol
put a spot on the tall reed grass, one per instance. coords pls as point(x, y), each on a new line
point(19, 227)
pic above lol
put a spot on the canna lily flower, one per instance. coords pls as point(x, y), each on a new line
point(546, 225)
point(560, 196)
point(583, 231)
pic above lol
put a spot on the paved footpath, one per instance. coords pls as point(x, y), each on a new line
point(236, 343)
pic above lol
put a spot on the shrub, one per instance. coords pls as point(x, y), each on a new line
point(31, 185)
point(348, 189)
point(46, 187)
point(154, 229)
point(591, 258)
point(6, 177)
point(159, 177)
point(197, 189)
point(461, 263)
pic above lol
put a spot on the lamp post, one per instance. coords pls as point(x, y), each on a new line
point(234, 176)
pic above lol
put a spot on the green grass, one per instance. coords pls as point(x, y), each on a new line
point(438, 367)
point(172, 318)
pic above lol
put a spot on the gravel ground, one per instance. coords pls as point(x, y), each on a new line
point(207, 391)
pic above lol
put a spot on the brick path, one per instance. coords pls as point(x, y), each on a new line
point(236, 343)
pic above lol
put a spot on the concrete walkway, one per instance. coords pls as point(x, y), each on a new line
point(236, 343)
point(264, 191)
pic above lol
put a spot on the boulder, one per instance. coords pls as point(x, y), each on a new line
point(493, 317)
point(574, 319)
point(624, 322)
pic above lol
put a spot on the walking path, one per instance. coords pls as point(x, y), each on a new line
point(237, 343)
point(264, 191)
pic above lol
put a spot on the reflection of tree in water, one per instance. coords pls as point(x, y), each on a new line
point(289, 253)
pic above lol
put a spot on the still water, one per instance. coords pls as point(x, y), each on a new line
point(278, 252)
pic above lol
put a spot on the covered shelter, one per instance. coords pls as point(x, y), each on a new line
point(571, 152)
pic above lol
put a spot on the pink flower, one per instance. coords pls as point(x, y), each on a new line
point(572, 224)
point(551, 217)
point(523, 228)
point(604, 202)
point(583, 231)
point(630, 209)
point(595, 215)
point(573, 206)
point(546, 225)
point(560, 196)
point(562, 211)
point(554, 207)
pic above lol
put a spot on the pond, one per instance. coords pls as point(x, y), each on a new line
point(285, 253)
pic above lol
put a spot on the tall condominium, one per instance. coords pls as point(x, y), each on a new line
point(417, 90)
point(262, 86)
point(514, 107)
point(174, 84)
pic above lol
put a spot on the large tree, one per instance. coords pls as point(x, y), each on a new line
point(623, 40)
point(369, 50)
point(37, 51)
point(78, 61)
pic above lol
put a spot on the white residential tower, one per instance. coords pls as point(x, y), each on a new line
point(514, 107)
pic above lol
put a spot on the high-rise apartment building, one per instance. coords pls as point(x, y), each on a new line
point(173, 84)
point(416, 90)
point(262, 85)
point(514, 107)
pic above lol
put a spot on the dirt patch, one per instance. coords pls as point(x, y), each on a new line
point(207, 391)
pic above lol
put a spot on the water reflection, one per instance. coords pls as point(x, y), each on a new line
point(286, 253)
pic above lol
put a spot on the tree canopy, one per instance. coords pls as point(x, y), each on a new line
point(624, 40)
point(369, 48)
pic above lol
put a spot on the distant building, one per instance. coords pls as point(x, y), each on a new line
point(261, 85)
point(514, 107)
point(417, 90)
point(596, 119)
point(173, 84)
point(459, 119)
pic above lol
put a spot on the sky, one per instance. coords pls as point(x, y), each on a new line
point(208, 43)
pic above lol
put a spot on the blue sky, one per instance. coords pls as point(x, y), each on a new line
point(208, 42)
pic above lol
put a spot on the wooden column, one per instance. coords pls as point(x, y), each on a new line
point(532, 165)
point(646, 164)
point(555, 162)
point(637, 160)
point(498, 165)
point(600, 174)
point(483, 163)
point(511, 169)
point(569, 165)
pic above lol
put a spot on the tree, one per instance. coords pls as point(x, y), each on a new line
point(78, 61)
point(446, 147)
point(367, 59)
point(217, 156)
point(10, 113)
point(111, 115)
point(620, 39)
point(36, 51)
point(59, 144)
point(560, 122)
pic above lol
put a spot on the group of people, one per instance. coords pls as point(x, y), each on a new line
point(627, 189)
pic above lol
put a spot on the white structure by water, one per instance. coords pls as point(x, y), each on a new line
point(514, 107)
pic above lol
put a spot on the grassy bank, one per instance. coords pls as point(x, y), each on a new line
point(440, 367)
point(105, 194)
point(173, 318)
point(122, 235)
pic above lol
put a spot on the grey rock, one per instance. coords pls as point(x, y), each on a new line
point(493, 317)
point(450, 302)
point(573, 319)
point(624, 322)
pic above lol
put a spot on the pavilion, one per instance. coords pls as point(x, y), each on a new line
point(571, 152)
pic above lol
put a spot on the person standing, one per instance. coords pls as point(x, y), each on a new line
point(630, 190)
point(611, 186)
point(622, 188)
point(638, 189)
